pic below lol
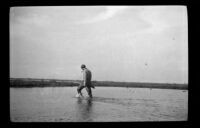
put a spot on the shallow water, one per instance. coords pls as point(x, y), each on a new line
point(58, 104)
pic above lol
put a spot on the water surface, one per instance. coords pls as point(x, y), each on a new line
point(58, 104)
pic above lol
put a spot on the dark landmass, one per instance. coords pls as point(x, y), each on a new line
point(29, 82)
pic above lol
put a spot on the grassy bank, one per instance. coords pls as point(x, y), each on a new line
point(26, 82)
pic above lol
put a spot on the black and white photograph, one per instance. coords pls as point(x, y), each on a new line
point(107, 63)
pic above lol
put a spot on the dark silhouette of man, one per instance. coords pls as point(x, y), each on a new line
point(86, 83)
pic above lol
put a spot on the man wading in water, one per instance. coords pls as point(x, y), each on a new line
point(86, 83)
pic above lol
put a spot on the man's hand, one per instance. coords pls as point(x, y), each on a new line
point(92, 86)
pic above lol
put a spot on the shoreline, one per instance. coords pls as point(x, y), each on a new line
point(30, 83)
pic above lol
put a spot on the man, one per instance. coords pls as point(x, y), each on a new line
point(86, 83)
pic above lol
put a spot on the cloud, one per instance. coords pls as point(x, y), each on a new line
point(109, 12)
point(153, 16)
point(161, 18)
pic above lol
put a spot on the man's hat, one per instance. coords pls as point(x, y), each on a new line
point(83, 66)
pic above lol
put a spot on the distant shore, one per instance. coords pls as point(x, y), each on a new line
point(29, 82)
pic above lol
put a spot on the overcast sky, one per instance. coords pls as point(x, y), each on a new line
point(118, 43)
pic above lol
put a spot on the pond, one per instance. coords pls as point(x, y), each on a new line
point(109, 104)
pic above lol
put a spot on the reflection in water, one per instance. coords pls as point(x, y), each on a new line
point(84, 109)
point(58, 104)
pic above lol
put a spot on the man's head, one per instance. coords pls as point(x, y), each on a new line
point(83, 66)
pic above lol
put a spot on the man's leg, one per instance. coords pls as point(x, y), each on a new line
point(80, 87)
point(89, 91)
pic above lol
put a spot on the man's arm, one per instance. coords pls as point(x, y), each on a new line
point(84, 78)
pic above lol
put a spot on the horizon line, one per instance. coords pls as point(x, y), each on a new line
point(100, 80)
